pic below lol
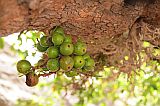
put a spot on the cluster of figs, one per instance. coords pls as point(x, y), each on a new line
point(59, 53)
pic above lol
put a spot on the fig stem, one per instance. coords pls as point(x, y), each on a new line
point(46, 74)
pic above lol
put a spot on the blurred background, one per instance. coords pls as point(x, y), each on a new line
point(142, 88)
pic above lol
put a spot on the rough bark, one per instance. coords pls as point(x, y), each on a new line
point(80, 17)
point(97, 22)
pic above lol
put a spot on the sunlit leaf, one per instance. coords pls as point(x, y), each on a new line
point(146, 44)
point(1, 43)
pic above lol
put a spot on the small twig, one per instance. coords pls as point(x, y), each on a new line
point(46, 74)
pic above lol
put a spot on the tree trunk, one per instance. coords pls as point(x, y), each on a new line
point(102, 24)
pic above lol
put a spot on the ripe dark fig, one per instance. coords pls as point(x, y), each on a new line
point(32, 79)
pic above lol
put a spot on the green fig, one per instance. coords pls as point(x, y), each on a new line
point(23, 66)
point(41, 48)
point(66, 63)
point(86, 56)
point(68, 39)
point(41, 63)
point(59, 30)
point(79, 61)
point(80, 48)
point(89, 64)
point(71, 73)
point(84, 70)
point(43, 41)
point(66, 49)
point(53, 65)
point(52, 52)
point(57, 38)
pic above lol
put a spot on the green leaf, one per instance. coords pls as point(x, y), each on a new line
point(23, 55)
point(1, 43)
point(146, 44)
